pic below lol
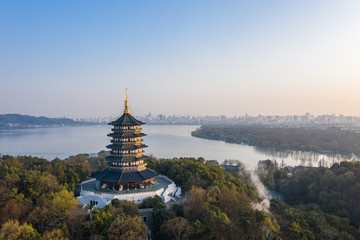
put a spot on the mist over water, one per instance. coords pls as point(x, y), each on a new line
point(164, 141)
point(311, 159)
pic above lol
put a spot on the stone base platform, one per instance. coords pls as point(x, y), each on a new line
point(91, 194)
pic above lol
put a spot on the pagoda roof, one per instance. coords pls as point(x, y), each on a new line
point(126, 146)
point(119, 176)
point(126, 135)
point(126, 120)
point(122, 159)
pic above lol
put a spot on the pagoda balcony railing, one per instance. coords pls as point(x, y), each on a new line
point(138, 154)
point(126, 130)
point(125, 142)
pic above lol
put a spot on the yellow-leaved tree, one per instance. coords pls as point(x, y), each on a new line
point(12, 230)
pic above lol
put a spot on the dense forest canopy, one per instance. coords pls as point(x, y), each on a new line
point(325, 201)
point(37, 199)
point(37, 202)
point(304, 139)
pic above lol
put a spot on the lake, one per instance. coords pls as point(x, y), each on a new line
point(164, 141)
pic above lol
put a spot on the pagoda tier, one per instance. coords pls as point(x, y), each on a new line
point(126, 135)
point(126, 163)
point(116, 159)
point(115, 176)
point(126, 147)
point(126, 119)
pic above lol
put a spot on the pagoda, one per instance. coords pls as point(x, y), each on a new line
point(126, 163)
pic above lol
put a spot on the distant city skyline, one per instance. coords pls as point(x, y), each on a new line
point(197, 58)
point(307, 120)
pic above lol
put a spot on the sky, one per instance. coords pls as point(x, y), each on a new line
point(75, 58)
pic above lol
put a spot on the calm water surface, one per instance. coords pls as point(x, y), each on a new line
point(164, 141)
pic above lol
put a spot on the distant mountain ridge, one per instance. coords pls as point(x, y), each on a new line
point(14, 121)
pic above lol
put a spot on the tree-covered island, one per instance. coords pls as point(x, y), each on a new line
point(304, 139)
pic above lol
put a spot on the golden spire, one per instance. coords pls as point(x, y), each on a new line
point(126, 110)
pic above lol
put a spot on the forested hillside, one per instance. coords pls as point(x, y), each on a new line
point(37, 202)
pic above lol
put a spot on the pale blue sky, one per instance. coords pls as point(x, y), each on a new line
point(75, 58)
